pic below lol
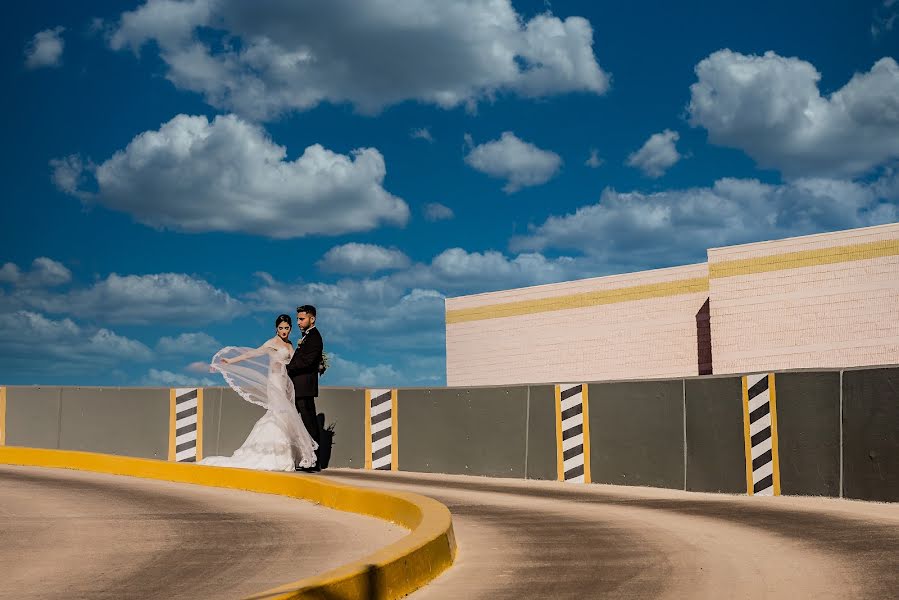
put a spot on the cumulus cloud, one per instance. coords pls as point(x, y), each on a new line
point(188, 343)
point(193, 175)
point(342, 371)
point(163, 378)
point(362, 258)
point(456, 270)
point(594, 161)
point(69, 175)
point(45, 272)
point(520, 163)
point(885, 17)
point(45, 49)
point(657, 155)
point(634, 230)
point(264, 59)
point(438, 212)
point(164, 298)
point(422, 133)
point(34, 344)
point(771, 108)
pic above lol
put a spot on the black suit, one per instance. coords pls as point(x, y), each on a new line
point(303, 371)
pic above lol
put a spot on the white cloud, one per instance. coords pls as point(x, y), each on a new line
point(163, 378)
point(33, 344)
point(195, 176)
point(163, 298)
point(457, 270)
point(362, 258)
point(279, 56)
point(188, 343)
point(594, 160)
point(375, 313)
point(885, 17)
point(520, 163)
point(198, 367)
point(438, 212)
point(45, 49)
point(422, 133)
point(69, 175)
point(771, 108)
point(657, 155)
point(346, 372)
point(630, 231)
point(45, 272)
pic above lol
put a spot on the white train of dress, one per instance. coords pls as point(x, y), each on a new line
point(279, 440)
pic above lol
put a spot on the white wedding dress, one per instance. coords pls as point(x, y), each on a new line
point(279, 440)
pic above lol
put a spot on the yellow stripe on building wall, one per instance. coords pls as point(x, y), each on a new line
point(804, 258)
point(581, 300)
point(2, 416)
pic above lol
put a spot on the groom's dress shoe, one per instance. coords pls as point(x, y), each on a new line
point(309, 469)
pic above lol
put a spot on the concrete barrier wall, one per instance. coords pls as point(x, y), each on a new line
point(127, 421)
point(871, 434)
point(837, 432)
point(714, 435)
point(470, 431)
point(637, 433)
point(808, 417)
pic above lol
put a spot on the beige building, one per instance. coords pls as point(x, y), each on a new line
point(827, 300)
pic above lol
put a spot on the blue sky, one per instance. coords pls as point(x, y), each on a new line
point(179, 173)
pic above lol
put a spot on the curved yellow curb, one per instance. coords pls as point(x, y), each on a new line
point(392, 572)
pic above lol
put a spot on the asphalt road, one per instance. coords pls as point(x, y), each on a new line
point(551, 540)
point(71, 534)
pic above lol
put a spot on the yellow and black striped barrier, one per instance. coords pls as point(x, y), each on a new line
point(760, 435)
point(572, 433)
point(186, 424)
point(381, 429)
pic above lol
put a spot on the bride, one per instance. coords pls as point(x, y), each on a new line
point(279, 440)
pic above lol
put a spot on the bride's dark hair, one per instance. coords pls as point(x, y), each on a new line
point(283, 319)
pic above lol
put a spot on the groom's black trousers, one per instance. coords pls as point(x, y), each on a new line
point(306, 408)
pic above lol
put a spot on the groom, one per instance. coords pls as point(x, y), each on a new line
point(303, 370)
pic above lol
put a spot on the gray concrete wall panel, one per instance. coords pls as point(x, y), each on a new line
point(212, 415)
point(32, 416)
point(237, 419)
point(637, 433)
point(716, 456)
point(344, 414)
point(871, 434)
point(541, 441)
point(808, 424)
point(471, 431)
point(126, 421)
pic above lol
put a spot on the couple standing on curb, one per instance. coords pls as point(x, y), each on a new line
point(283, 379)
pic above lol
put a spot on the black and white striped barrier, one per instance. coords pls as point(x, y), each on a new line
point(186, 425)
point(572, 433)
point(380, 429)
point(760, 435)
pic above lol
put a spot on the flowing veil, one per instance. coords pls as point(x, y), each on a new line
point(260, 377)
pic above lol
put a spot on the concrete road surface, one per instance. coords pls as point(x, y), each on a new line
point(551, 540)
point(70, 534)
